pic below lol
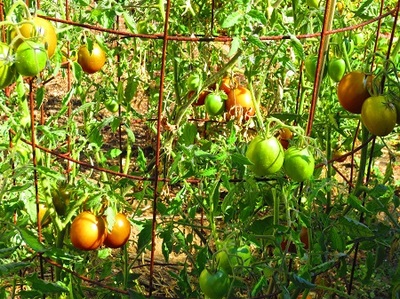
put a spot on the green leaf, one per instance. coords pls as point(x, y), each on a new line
point(232, 19)
point(189, 133)
point(39, 96)
point(208, 172)
point(144, 237)
point(297, 46)
point(235, 44)
point(43, 286)
point(258, 15)
point(130, 89)
point(354, 228)
point(356, 203)
point(6, 269)
point(301, 282)
point(255, 40)
point(4, 252)
point(115, 152)
point(129, 21)
point(31, 240)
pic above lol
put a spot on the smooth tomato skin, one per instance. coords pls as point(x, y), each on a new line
point(266, 155)
point(352, 91)
point(214, 285)
point(379, 115)
point(313, 3)
point(201, 99)
point(336, 69)
point(233, 256)
point(42, 32)
point(193, 81)
point(91, 62)
point(240, 103)
point(227, 85)
point(30, 58)
point(299, 164)
point(396, 104)
point(87, 231)
point(310, 64)
point(111, 105)
point(214, 104)
point(120, 232)
point(7, 68)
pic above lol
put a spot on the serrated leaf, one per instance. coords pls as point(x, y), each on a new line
point(4, 252)
point(115, 152)
point(208, 172)
point(255, 40)
point(257, 16)
point(45, 287)
point(235, 44)
point(31, 240)
point(354, 228)
point(297, 46)
point(233, 19)
point(355, 202)
point(321, 268)
point(129, 21)
point(189, 133)
point(130, 89)
point(39, 97)
point(240, 159)
point(144, 236)
point(6, 269)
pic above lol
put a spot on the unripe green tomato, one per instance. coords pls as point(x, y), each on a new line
point(214, 104)
point(299, 164)
point(193, 82)
point(313, 3)
point(30, 58)
point(336, 69)
point(7, 67)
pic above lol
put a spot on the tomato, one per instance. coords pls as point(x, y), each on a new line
point(61, 197)
point(214, 104)
point(119, 233)
point(91, 62)
point(227, 85)
point(285, 135)
point(313, 3)
point(307, 297)
point(7, 67)
point(193, 82)
point(303, 239)
point(266, 154)
point(352, 91)
point(336, 69)
point(232, 256)
point(240, 102)
point(310, 65)
point(359, 39)
point(340, 7)
point(43, 215)
point(215, 285)
point(201, 99)
point(299, 164)
point(396, 104)
point(30, 58)
point(42, 31)
point(337, 156)
point(111, 105)
point(379, 115)
point(88, 231)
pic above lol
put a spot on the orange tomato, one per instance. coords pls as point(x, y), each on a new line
point(240, 103)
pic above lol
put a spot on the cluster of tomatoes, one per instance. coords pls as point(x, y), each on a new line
point(379, 113)
point(32, 43)
point(270, 154)
point(230, 97)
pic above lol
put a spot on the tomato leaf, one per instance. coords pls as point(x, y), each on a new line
point(235, 44)
point(258, 15)
point(45, 287)
point(5, 269)
point(31, 240)
point(255, 40)
point(144, 237)
point(354, 228)
point(356, 203)
point(232, 19)
point(188, 135)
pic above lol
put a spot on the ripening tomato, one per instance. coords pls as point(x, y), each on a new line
point(30, 58)
point(214, 104)
point(353, 90)
point(303, 239)
point(41, 31)
point(7, 66)
point(285, 135)
point(378, 115)
point(119, 233)
point(336, 69)
point(240, 103)
point(340, 7)
point(215, 285)
point(266, 154)
point(91, 62)
point(299, 164)
point(88, 231)
point(43, 215)
point(227, 85)
point(313, 3)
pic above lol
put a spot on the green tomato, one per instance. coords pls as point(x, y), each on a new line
point(30, 58)
point(214, 104)
point(310, 65)
point(111, 105)
point(61, 197)
point(396, 104)
point(336, 69)
point(7, 68)
point(378, 115)
point(313, 3)
point(193, 82)
point(233, 256)
point(359, 39)
point(214, 285)
point(299, 164)
point(266, 154)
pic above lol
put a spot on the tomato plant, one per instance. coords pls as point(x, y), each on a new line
point(299, 164)
point(91, 61)
point(336, 69)
point(214, 104)
point(353, 90)
point(88, 231)
point(201, 98)
point(227, 84)
point(284, 136)
point(214, 285)
point(61, 197)
point(240, 103)
point(7, 67)
point(111, 105)
point(119, 233)
point(232, 256)
point(313, 3)
point(193, 81)
point(41, 31)
point(30, 58)
point(266, 154)
point(310, 65)
point(396, 104)
point(292, 246)
point(378, 115)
